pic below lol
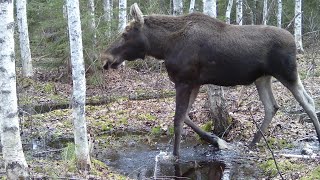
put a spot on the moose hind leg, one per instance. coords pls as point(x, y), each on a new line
point(305, 101)
point(263, 86)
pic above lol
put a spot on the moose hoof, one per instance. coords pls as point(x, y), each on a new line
point(222, 144)
point(215, 140)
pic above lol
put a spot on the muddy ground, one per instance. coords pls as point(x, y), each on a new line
point(129, 109)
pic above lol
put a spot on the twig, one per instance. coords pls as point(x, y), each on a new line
point(292, 20)
point(48, 151)
point(273, 157)
point(313, 156)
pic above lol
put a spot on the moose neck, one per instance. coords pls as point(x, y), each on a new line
point(158, 31)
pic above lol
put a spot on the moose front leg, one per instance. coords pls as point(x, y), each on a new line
point(183, 92)
point(210, 138)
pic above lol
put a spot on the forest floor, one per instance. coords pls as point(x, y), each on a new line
point(127, 107)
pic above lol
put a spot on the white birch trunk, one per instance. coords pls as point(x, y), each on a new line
point(177, 7)
point(191, 9)
point(210, 7)
point(64, 10)
point(15, 163)
point(228, 11)
point(265, 12)
point(122, 15)
point(239, 11)
point(298, 26)
point(79, 85)
point(122, 18)
point(92, 22)
point(107, 10)
point(27, 70)
point(279, 14)
point(108, 15)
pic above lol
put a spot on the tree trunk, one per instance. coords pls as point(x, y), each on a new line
point(218, 108)
point(15, 163)
point(279, 14)
point(122, 18)
point(122, 14)
point(177, 7)
point(107, 10)
point(92, 22)
point(265, 12)
point(210, 7)
point(191, 9)
point(79, 86)
point(27, 70)
point(228, 11)
point(215, 93)
point(298, 26)
point(239, 12)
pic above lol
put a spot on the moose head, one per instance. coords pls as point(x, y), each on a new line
point(131, 45)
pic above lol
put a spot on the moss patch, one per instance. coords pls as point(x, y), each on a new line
point(315, 174)
point(270, 169)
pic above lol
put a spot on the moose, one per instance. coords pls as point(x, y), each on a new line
point(198, 49)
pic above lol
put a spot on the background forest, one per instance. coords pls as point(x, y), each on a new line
point(129, 111)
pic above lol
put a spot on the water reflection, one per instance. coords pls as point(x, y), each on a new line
point(198, 162)
point(184, 170)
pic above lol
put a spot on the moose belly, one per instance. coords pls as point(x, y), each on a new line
point(230, 75)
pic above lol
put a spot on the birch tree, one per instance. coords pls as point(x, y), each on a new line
point(177, 7)
point(228, 11)
point(279, 14)
point(265, 12)
point(298, 26)
point(92, 21)
point(239, 5)
point(122, 15)
point(21, 7)
point(107, 8)
point(191, 9)
point(79, 86)
point(15, 163)
point(210, 7)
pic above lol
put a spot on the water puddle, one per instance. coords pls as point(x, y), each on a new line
point(196, 162)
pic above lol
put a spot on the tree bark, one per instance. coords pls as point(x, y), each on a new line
point(177, 7)
point(92, 22)
point(239, 12)
point(218, 108)
point(210, 7)
point(15, 163)
point(298, 26)
point(191, 9)
point(107, 10)
point(279, 14)
point(79, 86)
point(228, 11)
point(122, 14)
point(27, 70)
point(265, 12)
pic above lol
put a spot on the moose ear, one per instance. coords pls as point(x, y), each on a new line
point(136, 13)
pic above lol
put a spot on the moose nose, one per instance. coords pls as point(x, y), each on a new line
point(106, 59)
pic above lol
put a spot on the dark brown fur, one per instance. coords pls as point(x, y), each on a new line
point(198, 50)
